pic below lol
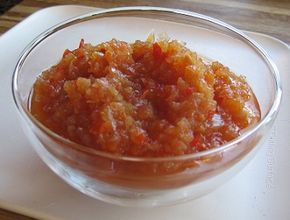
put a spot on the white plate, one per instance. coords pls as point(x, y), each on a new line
point(260, 191)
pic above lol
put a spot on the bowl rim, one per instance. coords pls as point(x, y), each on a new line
point(268, 117)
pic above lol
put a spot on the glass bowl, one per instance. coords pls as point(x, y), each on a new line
point(141, 181)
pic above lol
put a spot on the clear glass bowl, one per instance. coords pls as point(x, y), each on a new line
point(148, 181)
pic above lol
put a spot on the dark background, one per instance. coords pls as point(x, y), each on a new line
point(6, 4)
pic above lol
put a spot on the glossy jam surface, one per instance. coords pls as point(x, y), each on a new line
point(144, 99)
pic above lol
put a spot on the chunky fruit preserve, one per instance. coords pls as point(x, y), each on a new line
point(143, 99)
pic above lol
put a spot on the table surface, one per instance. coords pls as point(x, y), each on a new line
point(266, 16)
point(271, 17)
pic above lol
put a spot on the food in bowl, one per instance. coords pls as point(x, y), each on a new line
point(152, 180)
point(143, 99)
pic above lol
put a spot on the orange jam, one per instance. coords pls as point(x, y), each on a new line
point(144, 99)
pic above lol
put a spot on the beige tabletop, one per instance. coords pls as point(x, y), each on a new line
point(266, 16)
